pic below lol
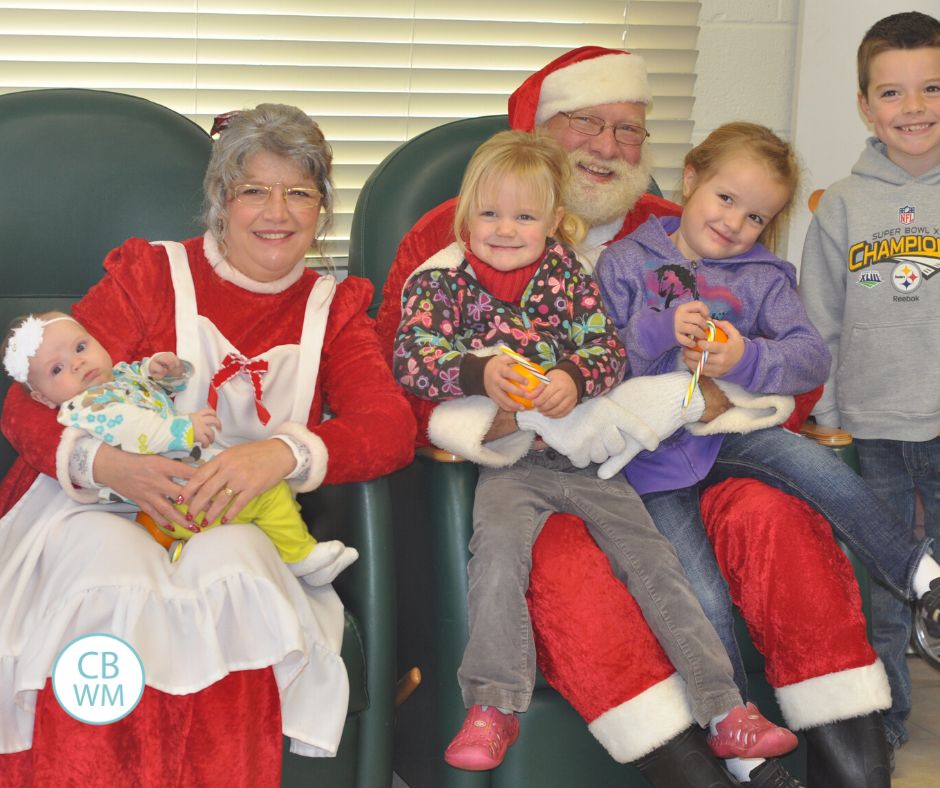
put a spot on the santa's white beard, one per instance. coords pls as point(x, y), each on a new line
point(601, 203)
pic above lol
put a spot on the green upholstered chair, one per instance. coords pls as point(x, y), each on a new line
point(433, 499)
point(84, 170)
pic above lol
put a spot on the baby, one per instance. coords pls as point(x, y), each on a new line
point(130, 406)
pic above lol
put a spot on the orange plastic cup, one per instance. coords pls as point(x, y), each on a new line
point(719, 335)
point(163, 538)
point(531, 384)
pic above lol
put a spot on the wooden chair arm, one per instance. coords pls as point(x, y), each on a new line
point(826, 436)
point(406, 685)
point(438, 455)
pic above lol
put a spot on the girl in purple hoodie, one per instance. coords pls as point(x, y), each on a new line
point(660, 285)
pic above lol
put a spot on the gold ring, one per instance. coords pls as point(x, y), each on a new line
point(229, 491)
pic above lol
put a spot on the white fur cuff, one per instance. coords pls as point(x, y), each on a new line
point(319, 457)
point(835, 696)
point(75, 440)
point(640, 725)
point(750, 412)
point(460, 425)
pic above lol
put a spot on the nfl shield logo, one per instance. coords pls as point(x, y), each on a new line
point(906, 214)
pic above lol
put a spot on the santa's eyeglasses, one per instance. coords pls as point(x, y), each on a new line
point(624, 133)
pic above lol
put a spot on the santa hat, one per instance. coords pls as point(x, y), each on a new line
point(583, 77)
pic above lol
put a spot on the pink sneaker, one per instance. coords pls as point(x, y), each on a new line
point(746, 733)
point(483, 739)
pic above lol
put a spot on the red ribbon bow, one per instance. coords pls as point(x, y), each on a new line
point(221, 122)
point(236, 364)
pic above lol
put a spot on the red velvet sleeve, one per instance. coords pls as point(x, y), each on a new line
point(372, 431)
point(648, 205)
point(804, 404)
point(431, 233)
point(114, 311)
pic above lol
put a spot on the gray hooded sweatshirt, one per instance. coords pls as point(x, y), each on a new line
point(868, 280)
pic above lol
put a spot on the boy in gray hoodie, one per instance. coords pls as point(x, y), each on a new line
point(869, 260)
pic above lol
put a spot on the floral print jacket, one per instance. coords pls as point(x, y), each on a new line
point(447, 314)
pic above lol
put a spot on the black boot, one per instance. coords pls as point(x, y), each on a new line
point(848, 754)
point(685, 761)
point(772, 774)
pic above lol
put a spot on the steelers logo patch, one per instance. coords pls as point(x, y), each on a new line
point(906, 278)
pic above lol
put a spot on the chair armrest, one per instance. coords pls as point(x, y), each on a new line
point(826, 436)
point(438, 455)
point(359, 514)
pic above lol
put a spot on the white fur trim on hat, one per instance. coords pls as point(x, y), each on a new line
point(835, 696)
point(607, 79)
point(638, 726)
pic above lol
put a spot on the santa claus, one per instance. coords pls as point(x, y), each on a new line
point(784, 571)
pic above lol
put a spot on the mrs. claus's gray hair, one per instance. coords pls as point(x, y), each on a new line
point(279, 129)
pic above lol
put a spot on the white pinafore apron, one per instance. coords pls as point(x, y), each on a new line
point(228, 604)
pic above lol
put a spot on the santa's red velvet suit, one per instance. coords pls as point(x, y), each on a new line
point(786, 574)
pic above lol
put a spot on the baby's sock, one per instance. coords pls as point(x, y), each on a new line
point(741, 768)
point(928, 569)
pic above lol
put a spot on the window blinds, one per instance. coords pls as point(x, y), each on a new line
point(373, 74)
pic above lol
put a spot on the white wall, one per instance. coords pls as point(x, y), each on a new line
point(746, 64)
point(790, 64)
point(829, 131)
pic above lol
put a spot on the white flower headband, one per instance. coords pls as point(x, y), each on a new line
point(24, 342)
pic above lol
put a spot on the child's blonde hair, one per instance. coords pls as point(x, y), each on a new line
point(536, 161)
point(759, 143)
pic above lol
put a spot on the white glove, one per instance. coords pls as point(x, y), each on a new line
point(595, 430)
point(659, 398)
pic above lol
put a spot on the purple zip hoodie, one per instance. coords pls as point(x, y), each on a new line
point(644, 276)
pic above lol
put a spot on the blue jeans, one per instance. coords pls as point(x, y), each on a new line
point(899, 471)
point(798, 466)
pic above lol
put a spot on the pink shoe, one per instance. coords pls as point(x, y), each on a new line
point(746, 733)
point(483, 739)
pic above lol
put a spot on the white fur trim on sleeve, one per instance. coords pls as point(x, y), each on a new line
point(835, 696)
point(460, 425)
point(73, 440)
point(319, 456)
point(638, 726)
point(750, 412)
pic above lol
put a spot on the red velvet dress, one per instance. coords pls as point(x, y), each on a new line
point(230, 731)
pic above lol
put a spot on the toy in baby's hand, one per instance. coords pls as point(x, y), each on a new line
point(715, 334)
point(532, 372)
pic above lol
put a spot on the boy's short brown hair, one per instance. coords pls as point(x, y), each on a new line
point(908, 30)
